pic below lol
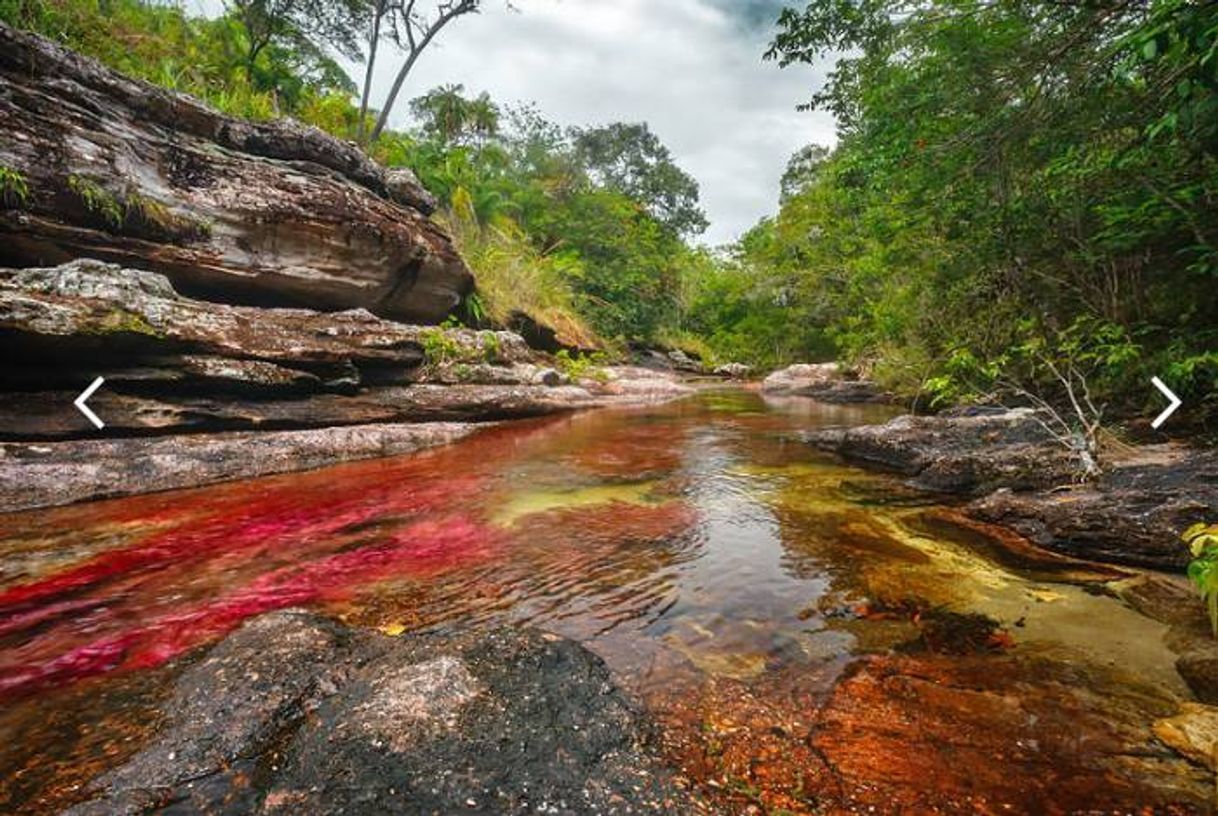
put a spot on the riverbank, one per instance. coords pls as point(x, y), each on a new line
point(197, 392)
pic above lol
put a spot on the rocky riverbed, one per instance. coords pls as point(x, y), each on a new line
point(1010, 473)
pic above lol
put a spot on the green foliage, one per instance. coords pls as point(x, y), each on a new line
point(14, 190)
point(573, 229)
point(208, 58)
point(1006, 174)
point(97, 200)
point(446, 116)
point(440, 347)
point(578, 367)
point(1202, 541)
point(630, 159)
point(491, 348)
point(514, 277)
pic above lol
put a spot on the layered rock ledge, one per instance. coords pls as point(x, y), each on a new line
point(266, 213)
point(294, 713)
point(1017, 477)
point(197, 391)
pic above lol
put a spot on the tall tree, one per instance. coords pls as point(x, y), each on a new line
point(412, 29)
point(295, 23)
point(631, 159)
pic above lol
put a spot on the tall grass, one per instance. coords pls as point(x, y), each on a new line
point(514, 276)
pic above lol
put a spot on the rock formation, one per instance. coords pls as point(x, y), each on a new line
point(826, 382)
point(296, 714)
point(235, 391)
point(270, 213)
point(1020, 478)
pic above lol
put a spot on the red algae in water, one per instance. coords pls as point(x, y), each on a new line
point(424, 548)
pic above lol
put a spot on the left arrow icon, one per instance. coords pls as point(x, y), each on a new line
point(84, 396)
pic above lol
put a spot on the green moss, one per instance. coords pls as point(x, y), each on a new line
point(144, 214)
point(120, 321)
point(14, 191)
point(135, 213)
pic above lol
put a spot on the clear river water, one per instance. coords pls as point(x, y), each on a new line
point(808, 636)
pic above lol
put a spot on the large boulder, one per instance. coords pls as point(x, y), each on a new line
point(269, 213)
point(296, 714)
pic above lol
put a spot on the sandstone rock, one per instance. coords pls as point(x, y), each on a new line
point(636, 383)
point(802, 375)
point(683, 362)
point(1199, 668)
point(826, 382)
point(967, 454)
point(404, 187)
point(269, 213)
point(1193, 732)
point(48, 474)
point(736, 371)
point(296, 714)
point(1133, 514)
point(89, 309)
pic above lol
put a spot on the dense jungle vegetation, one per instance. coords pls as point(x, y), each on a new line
point(1015, 183)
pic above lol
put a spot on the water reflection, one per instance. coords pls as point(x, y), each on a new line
point(730, 576)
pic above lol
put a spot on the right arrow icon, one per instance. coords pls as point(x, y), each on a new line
point(1170, 409)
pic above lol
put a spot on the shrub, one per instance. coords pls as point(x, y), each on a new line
point(14, 192)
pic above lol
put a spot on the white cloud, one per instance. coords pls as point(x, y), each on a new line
point(689, 68)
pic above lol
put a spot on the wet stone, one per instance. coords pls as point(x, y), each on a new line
point(294, 713)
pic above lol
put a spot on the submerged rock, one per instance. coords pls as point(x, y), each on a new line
point(1193, 732)
point(296, 714)
point(272, 213)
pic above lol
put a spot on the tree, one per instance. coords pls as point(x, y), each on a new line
point(448, 116)
point(801, 170)
point(300, 23)
point(631, 159)
point(411, 29)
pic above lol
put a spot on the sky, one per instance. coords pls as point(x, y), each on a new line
point(691, 69)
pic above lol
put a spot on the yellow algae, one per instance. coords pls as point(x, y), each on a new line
point(531, 502)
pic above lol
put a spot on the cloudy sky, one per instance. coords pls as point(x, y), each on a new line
point(692, 69)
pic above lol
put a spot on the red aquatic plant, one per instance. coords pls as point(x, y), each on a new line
point(424, 548)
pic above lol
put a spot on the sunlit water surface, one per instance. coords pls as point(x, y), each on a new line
point(729, 575)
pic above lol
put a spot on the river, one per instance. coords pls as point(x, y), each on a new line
point(807, 635)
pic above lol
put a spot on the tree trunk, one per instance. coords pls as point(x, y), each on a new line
point(379, 13)
point(415, 51)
